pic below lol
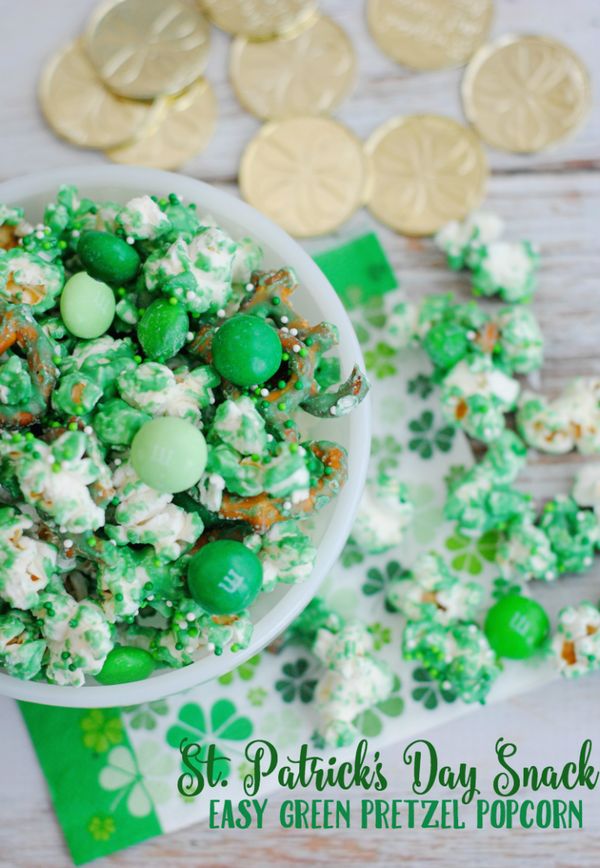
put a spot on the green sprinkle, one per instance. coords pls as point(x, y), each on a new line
point(137, 358)
point(303, 353)
point(65, 655)
point(281, 406)
point(293, 447)
point(56, 467)
point(119, 597)
point(285, 357)
point(91, 541)
point(172, 300)
point(276, 300)
point(299, 386)
point(72, 426)
point(281, 384)
point(309, 342)
point(289, 424)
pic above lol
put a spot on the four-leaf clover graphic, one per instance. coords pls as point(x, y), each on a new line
point(381, 635)
point(101, 730)
point(470, 552)
point(376, 579)
point(295, 683)
point(427, 440)
point(421, 385)
point(256, 696)
point(386, 449)
point(378, 359)
point(369, 722)
point(101, 828)
point(428, 691)
point(138, 777)
point(144, 716)
point(246, 671)
point(223, 724)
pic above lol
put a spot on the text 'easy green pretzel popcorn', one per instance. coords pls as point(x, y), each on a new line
point(26, 563)
point(430, 591)
point(576, 644)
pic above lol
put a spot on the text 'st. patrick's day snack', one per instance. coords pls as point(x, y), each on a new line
point(154, 474)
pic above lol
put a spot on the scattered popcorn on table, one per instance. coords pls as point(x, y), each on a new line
point(586, 487)
point(571, 421)
point(458, 656)
point(384, 515)
point(462, 241)
point(525, 553)
point(432, 592)
point(508, 269)
point(576, 644)
point(574, 534)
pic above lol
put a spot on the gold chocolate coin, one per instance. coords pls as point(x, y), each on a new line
point(524, 93)
point(80, 109)
point(184, 130)
point(425, 171)
point(259, 19)
point(310, 73)
point(429, 34)
point(147, 48)
point(307, 174)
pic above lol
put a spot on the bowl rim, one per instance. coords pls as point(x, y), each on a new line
point(171, 681)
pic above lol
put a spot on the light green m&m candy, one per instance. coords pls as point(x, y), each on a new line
point(246, 350)
point(516, 627)
point(107, 257)
point(225, 577)
point(162, 329)
point(169, 454)
point(87, 306)
point(124, 664)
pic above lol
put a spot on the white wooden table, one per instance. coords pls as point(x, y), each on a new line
point(552, 198)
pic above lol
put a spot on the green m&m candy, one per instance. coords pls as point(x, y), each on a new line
point(125, 664)
point(87, 306)
point(169, 454)
point(516, 627)
point(446, 344)
point(162, 329)
point(107, 257)
point(225, 577)
point(246, 350)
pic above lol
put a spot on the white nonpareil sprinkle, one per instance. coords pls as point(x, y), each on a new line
point(287, 504)
point(285, 319)
point(189, 336)
point(249, 287)
point(190, 295)
point(284, 329)
point(296, 348)
point(169, 604)
point(130, 240)
point(221, 313)
point(88, 429)
point(68, 543)
point(264, 392)
point(294, 332)
point(75, 233)
point(190, 616)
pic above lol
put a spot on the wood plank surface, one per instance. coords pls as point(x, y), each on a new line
point(551, 198)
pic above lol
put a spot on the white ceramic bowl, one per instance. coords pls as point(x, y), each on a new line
point(317, 301)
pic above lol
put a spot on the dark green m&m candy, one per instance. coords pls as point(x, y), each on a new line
point(246, 350)
point(225, 577)
point(107, 257)
point(162, 329)
point(124, 664)
point(516, 627)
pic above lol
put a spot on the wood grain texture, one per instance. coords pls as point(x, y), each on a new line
point(552, 198)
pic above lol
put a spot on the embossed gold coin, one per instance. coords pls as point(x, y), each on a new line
point(183, 131)
point(310, 73)
point(147, 48)
point(307, 174)
point(429, 34)
point(80, 109)
point(524, 93)
point(425, 171)
point(259, 19)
